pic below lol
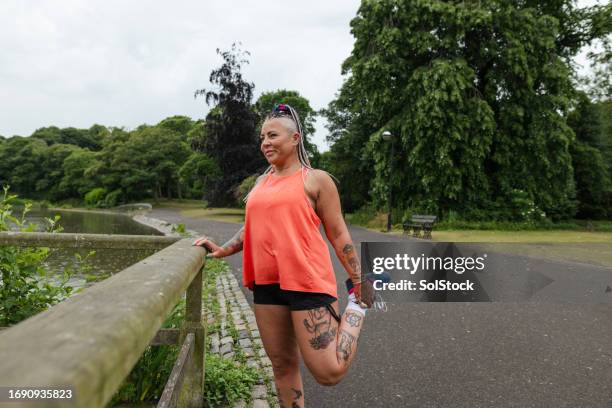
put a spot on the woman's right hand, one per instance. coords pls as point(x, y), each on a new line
point(364, 293)
point(214, 250)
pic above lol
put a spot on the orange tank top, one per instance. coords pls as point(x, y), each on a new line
point(282, 243)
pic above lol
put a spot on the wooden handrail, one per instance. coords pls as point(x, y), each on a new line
point(98, 241)
point(91, 341)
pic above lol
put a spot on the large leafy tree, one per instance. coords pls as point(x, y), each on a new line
point(589, 150)
point(229, 133)
point(20, 164)
point(86, 138)
point(477, 94)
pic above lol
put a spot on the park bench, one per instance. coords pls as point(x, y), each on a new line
point(418, 223)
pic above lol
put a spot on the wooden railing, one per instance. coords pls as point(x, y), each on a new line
point(91, 341)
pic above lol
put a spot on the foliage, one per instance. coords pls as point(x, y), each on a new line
point(197, 173)
point(113, 198)
point(95, 198)
point(91, 138)
point(476, 94)
point(594, 190)
point(145, 162)
point(180, 229)
point(147, 379)
point(229, 134)
point(227, 382)
point(26, 287)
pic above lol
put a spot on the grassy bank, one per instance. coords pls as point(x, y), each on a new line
point(197, 209)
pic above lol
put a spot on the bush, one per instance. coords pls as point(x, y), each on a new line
point(26, 287)
point(95, 198)
point(113, 198)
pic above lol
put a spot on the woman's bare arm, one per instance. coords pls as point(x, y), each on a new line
point(235, 243)
point(230, 247)
point(330, 213)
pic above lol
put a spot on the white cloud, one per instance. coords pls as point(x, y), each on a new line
point(124, 63)
point(75, 63)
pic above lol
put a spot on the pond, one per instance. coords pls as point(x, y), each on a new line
point(102, 263)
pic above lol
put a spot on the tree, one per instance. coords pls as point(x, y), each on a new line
point(48, 184)
point(179, 124)
point(588, 150)
point(86, 138)
point(148, 162)
point(229, 134)
point(77, 169)
point(476, 93)
point(197, 173)
point(20, 164)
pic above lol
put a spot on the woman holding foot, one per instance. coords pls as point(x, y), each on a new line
point(287, 265)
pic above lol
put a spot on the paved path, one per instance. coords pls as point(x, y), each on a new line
point(464, 354)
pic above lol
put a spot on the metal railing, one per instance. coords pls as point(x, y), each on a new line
point(91, 341)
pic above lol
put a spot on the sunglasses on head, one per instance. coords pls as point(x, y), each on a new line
point(281, 109)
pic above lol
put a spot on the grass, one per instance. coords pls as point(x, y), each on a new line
point(197, 209)
point(548, 236)
point(215, 214)
point(594, 248)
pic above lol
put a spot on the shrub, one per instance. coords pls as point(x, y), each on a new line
point(26, 287)
point(113, 198)
point(95, 197)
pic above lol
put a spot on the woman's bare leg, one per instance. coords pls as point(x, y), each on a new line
point(279, 341)
point(328, 348)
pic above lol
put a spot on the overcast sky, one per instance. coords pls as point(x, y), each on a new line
point(124, 63)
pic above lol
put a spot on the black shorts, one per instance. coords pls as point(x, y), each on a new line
point(272, 294)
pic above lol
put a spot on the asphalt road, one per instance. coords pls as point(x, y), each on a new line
point(547, 353)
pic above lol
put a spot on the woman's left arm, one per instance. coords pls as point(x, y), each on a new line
point(329, 211)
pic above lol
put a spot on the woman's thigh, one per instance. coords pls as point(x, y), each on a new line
point(316, 331)
point(278, 337)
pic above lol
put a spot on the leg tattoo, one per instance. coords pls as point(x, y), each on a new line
point(352, 318)
point(345, 344)
point(298, 395)
point(319, 324)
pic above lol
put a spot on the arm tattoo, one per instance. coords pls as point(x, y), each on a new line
point(345, 344)
point(235, 243)
point(353, 319)
point(319, 324)
point(353, 261)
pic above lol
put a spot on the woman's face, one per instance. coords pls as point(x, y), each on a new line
point(278, 143)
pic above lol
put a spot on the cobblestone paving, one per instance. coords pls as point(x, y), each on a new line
point(236, 316)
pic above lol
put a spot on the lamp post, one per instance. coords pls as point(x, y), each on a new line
point(387, 136)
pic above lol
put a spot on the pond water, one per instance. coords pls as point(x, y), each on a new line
point(104, 262)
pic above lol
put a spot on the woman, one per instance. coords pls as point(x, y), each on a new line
point(288, 267)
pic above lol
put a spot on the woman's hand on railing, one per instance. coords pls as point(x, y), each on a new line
point(214, 250)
